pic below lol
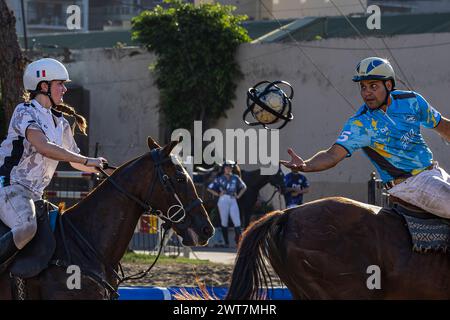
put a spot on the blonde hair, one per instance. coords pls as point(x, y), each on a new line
point(67, 110)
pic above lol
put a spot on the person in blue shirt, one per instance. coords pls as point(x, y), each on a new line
point(228, 187)
point(388, 129)
point(296, 186)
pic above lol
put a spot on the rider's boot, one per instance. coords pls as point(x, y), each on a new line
point(225, 236)
point(237, 235)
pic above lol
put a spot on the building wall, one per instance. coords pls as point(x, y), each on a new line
point(412, 6)
point(286, 9)
point(124, 99)
point(47, 16)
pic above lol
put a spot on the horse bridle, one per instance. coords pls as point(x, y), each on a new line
point(180, 214)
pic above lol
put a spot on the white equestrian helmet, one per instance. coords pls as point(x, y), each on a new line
point(46, 69)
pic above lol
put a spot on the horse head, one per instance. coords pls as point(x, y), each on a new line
point(277, 180)
point(174, 198)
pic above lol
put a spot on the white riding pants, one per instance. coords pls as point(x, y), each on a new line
point(228, 206)
point(428, 190)
point(18, 212)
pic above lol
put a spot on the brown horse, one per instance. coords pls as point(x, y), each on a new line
point(98, 229)
point(326, 249)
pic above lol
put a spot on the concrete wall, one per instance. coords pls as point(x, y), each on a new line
point(414, 6)
point(124, 100)
point(284, 9)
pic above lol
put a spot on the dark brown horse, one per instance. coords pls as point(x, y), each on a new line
point(106, 220)
point(325, 249)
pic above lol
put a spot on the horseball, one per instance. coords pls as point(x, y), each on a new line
point(268, 103)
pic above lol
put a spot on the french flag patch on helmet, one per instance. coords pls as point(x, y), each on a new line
point(39, 73)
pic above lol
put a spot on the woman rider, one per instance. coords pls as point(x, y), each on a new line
point(38, 138)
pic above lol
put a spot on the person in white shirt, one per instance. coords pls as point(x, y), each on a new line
point(38, 138)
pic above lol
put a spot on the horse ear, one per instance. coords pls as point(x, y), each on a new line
point(152, 143)
point(169, 147)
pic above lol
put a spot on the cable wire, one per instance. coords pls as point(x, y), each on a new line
point(309, 58)
point(406, 82)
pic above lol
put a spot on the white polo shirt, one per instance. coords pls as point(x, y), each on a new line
point(19, 161)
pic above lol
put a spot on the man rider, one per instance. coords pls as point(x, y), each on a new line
point(387, 129)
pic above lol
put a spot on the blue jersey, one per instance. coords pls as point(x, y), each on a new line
point(392, 140)
point(293, 180)
point(231, 186)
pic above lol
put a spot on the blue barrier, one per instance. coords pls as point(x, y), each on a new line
point(159, 293)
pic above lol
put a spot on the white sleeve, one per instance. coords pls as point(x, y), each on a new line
point(23, 120)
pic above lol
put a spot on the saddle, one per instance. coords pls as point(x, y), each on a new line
point(36, 255)
point(429, 233)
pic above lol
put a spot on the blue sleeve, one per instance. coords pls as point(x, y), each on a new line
point(353, 136)
point(214, 185)
point(287, 180)
point(428, 116)
point(305, 183)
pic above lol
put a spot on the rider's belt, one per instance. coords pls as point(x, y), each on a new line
point(232, 195)
point(390, 184)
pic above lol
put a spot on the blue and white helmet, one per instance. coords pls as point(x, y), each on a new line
point(374, 68)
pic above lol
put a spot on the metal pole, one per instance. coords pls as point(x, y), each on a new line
point(96, 150)
point(24, 25)
point(371, 197)
point(86, 15)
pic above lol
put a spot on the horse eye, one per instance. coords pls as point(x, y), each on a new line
point(180, 177)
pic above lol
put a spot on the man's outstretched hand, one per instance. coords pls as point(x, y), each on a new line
point(296, 163)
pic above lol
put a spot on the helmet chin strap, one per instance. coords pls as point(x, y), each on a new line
point(49, 93)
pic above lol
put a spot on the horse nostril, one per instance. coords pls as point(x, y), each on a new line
point(207, 230)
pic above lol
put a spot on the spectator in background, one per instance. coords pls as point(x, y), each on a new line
point(296, 186)
point(228, 187)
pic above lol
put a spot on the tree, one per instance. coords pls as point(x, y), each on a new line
point(12, 65)
point(196, 69)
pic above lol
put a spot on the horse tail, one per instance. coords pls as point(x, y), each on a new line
point(260, 242)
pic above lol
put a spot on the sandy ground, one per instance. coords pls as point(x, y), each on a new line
point(184, 275)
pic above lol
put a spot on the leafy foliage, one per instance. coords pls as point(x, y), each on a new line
point(196, 69)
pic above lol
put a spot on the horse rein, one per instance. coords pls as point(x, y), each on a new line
point(167, 184)
point(177, 217)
